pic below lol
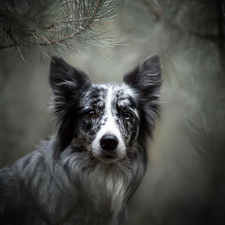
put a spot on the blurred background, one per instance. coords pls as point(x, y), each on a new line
point(184, 183)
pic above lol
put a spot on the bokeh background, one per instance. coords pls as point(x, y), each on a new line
point(184, 183)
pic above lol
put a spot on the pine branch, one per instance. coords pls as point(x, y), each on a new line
point(59, 25)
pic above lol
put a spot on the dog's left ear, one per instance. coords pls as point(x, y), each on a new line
point(146, 81)
point(146, 78)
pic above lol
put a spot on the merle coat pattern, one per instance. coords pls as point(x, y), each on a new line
point(88, 171)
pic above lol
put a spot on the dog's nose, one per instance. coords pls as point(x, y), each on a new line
point(109, 142)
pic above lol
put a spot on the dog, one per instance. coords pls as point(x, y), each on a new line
point(88, 171)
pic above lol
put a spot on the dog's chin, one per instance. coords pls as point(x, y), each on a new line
point(106, 159)
point(108, 156)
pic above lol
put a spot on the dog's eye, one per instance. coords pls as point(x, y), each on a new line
point(127, 115)
point(91, 114)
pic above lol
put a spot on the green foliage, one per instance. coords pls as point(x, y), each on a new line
point(54, 26)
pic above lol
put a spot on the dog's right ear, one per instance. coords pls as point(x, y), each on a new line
point(68, 84)
point(65, 80)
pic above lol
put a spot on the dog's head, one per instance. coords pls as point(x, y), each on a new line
point(105, 120)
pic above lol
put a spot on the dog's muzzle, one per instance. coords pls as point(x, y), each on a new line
point(109, 142)
point(108, 148)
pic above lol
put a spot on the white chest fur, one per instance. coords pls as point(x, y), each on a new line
point(106, 182)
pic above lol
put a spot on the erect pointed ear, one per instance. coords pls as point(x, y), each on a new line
point(65, 79)
point(146, 78)
point(146, 81)
point(68, 84)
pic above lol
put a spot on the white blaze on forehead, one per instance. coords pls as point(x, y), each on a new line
point(110, 127)
point(108, 101)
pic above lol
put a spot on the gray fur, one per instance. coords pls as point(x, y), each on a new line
point(68, 180)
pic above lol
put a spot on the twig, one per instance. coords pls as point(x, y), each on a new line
point(175, 71)
point(20, 54)
point(54, 42)
point(209, 37)
point(156, 13)
point(166, 69)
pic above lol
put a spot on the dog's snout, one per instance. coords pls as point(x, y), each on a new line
point(109, 142)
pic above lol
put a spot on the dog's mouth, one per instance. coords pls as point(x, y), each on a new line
point(108, 154)
point(108, 157)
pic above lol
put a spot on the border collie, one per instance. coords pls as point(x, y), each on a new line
point(88, 171)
